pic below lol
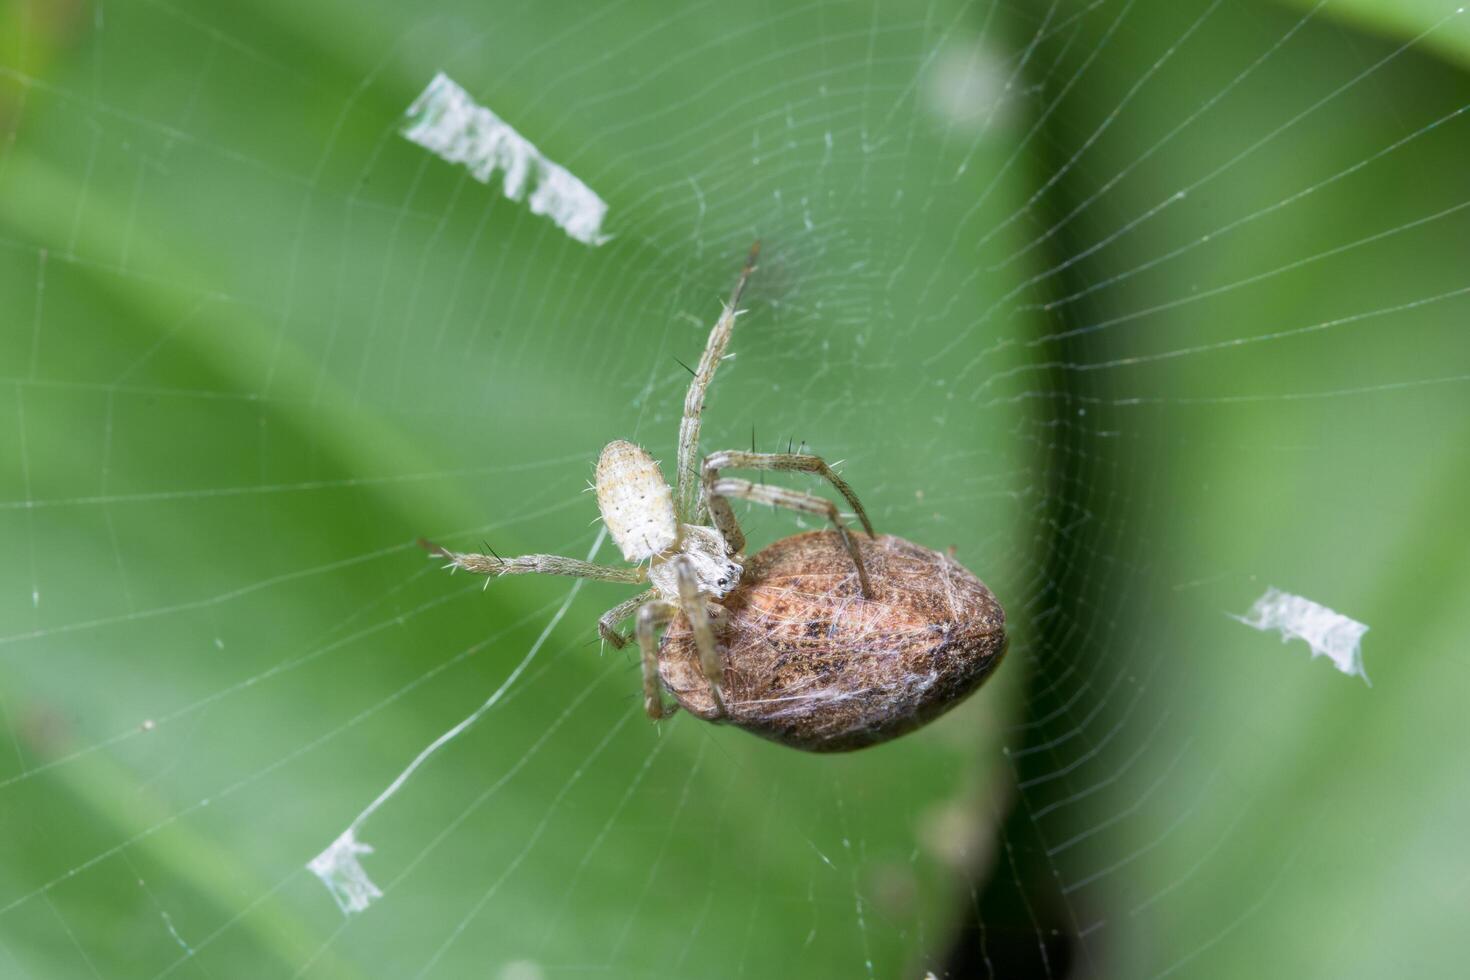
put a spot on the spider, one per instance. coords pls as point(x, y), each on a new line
point(818, 658)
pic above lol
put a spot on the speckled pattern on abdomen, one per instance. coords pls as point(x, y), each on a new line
point(635, 500)
point(811, 664)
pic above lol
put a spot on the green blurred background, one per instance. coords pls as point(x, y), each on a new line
point(1141, 306)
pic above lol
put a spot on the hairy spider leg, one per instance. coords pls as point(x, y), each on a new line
point(495, 566)
point(687, 499)
point(659, 613)
point(717, 489)
point(692, 604)
point(652, 615)
point(608, 621)
point(652, 611)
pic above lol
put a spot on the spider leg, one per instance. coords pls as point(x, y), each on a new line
point(495, 566)
point(652, 615)
point(793, 500)
point(686, 498)
point(723, 514)
point(798, 462)
point(692, 605)
point(607, 623)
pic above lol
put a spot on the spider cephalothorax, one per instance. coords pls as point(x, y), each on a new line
point(686, 543)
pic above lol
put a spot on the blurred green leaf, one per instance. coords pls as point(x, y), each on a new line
point(1280, 363)
point(1436, 25)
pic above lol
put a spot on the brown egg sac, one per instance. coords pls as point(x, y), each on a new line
point(808, 662)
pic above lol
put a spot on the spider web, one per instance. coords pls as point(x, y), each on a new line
point(1142, 306)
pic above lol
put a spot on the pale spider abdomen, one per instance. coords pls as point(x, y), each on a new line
point(636, 503)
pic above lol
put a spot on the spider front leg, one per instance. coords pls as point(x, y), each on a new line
point(739, 459)
point(652, 615)
point(717, 489)
point(495, 566)
point(691, 602)
point(607, 623)
point(655, 613)
point(687, 502)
